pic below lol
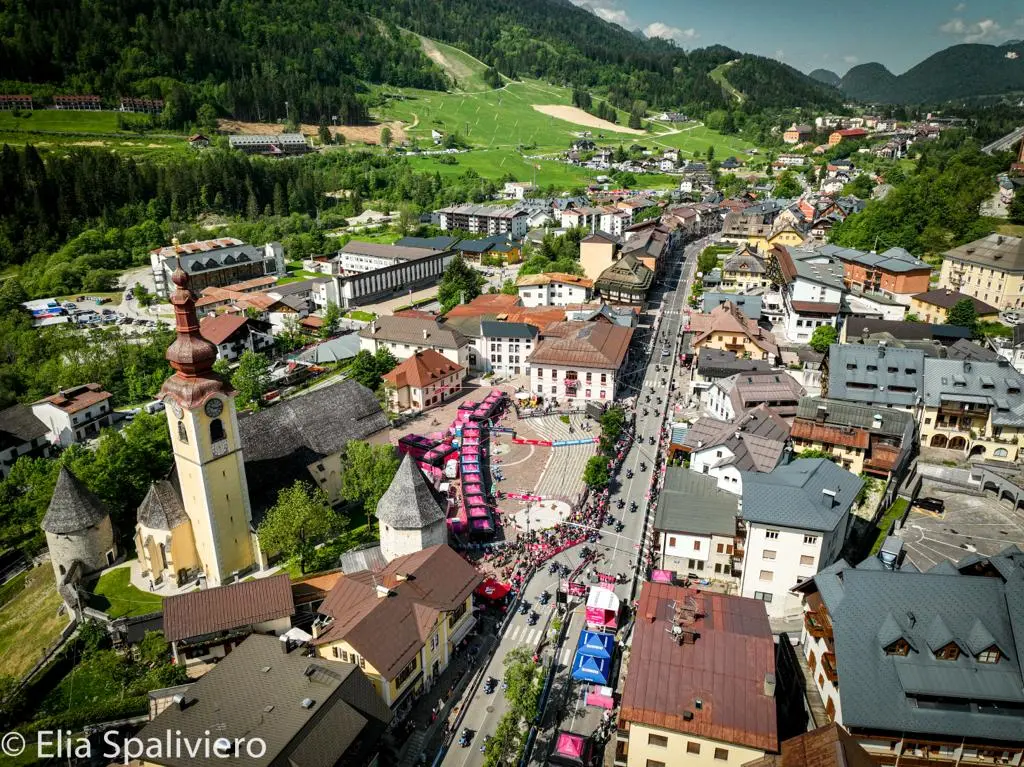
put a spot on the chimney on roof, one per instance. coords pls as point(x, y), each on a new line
point(828, 495)
point(373, 326)
point(382, 592)
point(820, 412)
point(769, 685)
point(967, 366)
point(426, 334)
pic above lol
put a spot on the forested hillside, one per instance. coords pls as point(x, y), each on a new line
point(246, 58)
point(770, 84)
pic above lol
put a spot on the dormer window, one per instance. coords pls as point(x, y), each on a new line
point(991, 655)
point(949, 652)
point(899, 647)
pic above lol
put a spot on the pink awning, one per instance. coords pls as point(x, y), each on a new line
point(478, 512)
point(600, 700)
point(474, 490)
point(472, 478)
point(662, 576)
point(570, 745)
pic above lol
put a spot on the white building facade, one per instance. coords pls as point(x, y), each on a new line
point(564, 382)
point(551, 290)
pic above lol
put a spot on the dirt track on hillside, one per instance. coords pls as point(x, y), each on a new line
point(363, 134)
point(578, 116)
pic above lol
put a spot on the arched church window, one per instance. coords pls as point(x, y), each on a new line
point(182, 434)
point(216, 430)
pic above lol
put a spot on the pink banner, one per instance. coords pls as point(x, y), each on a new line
point(524, 497)
point(541, 442)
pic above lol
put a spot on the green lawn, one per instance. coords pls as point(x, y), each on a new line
point(896, 511)
point(60, 120)
point(29, 622)
point(117, 597)
point(494, 163)
point(56, 127)
point(360, 315)
point(360, 531)
point(719, 75)
point(465, 71)
point(1014, 230)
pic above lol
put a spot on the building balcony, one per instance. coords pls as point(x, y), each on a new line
point(828, 666)
point(818, 625)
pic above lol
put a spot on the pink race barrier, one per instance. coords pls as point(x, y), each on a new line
point(541, 442)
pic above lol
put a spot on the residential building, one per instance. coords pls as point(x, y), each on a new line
point(10, 102)
point(440, 242)
point(1013, 351)
point(76, 414)
point(756, 441)
point(696, 527)
point(848, 134)
point(749, 305)
point(858, 330)
point(728, 397)
point(235, 334)
point(743, 270)
point(143, 105)
point(598, 252)
point(21, 433)
point(517, 190)
point(921, 667)
point(861, 438)
point(934, 306)
point(506, 346)
point(405, 336)
point(309, 712)
point(797, 518)
point(894, 272)
point(672, 709)
point(876, 375)
point(791, 160)
point(277, 145)
point(990, 269)
point(402, 277)
point(356, 257)
point(485, 219)
point(715, 364)
point(627, 281)
point(796, 134)
point(77, 102)
point(215, 263)
point(554, 289)
point(650, 244)
point(975, 408)
point(579, 360)
point(203, 626)
point(581, 217)
point(499, 247)
point(626, 316)
point(422, 381)
point(858, 303)
point(828, 746)
point(614, 220)
point(400, 624)
point(812, 289)
point(728, 329)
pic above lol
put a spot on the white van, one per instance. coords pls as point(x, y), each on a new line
point(156, 406)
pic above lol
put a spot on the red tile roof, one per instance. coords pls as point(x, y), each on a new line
point(77, 398)
point(725, 667)
point(816, 306)
point(846, 436)
point(587, 344)
point(219, 329)
point(421, 370)
point(197, 613)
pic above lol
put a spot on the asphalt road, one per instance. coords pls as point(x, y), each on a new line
point(619, 552)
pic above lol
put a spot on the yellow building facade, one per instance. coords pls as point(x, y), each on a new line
point(967, 428)
point(990, 269)
point(649, 745)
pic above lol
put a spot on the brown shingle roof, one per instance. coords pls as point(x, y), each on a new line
point(422, 369)
point(587, 344)
point(548, 277)
point(411, 330)
point(19, 425)
point(389, 630)
point(227, 607)
point(219, 329)
point(77, 398)
point(947, 299)
point(828, 746)
point(725, 667)
point(729, 318)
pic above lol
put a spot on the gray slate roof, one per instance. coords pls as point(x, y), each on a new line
point(895, 260)
point(496, 329)
point(366, 557)
point(428, 243)
point(749, 305)
point(875, 374)
point(893, 423)
point(73, 507)
point(258, 689)
point(19, 425)
point(718, 363)
point(995, 384)
point(280, 442)
point(871, 608)
point(409, 502)
point(794, 495)
point(162, 508)
point(410, 330)
point(692, 503)
point(859, 328)
point(756, 439)
point(962, 349)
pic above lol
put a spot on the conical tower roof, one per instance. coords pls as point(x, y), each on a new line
point(73, 507)
point(409, 502)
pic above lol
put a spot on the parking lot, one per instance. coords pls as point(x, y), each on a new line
point(970, 523)
point(88, 312)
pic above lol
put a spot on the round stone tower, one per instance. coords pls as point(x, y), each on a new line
point(77, 527)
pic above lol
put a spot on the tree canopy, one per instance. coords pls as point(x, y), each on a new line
point(963, 314)
point(822, 338)
point(459, 284)
point(366, 473)
point(252, 378)
point(299, 520)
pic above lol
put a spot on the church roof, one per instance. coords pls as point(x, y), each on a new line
point(409, 502)
point(73, 507)
point(162, 508)
point(280, 442)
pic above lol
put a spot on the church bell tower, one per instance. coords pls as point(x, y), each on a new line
point(207, 448)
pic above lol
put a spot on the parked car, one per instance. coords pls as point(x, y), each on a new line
point(931, 504)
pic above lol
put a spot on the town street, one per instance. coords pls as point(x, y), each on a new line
point(619, 552)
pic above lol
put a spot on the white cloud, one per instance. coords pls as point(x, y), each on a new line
point(605, 10)
point(660, 29)
point(959, 7)
point(850, 59)
point(780, 54)
point(982, 31)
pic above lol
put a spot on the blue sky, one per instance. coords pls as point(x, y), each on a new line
point(896, 33)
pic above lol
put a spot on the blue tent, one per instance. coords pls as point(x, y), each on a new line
point(596, 644)
point(587, 668)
